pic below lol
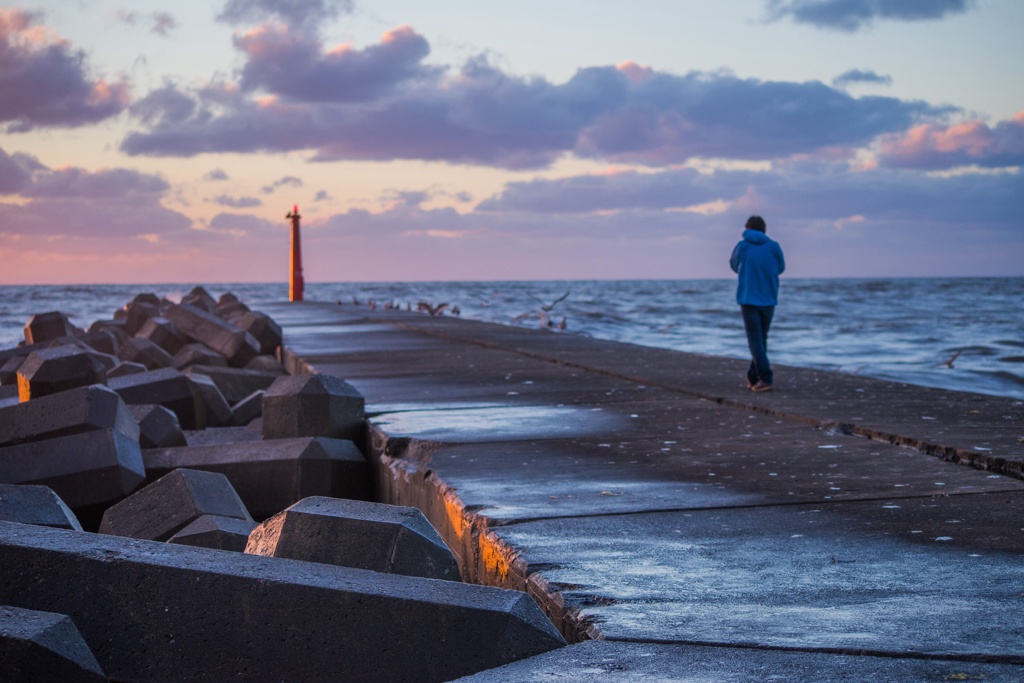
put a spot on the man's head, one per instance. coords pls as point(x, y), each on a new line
point(756, 223)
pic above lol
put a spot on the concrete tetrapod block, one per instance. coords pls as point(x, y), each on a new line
point(271, 475)
point(261, 326)
point(44, 327)
point(143, 351)
point(158, 427)
point(106, 360)
point(207, 615)
point(266, 364)
point(89, 471)
point(147, 297)
point(352, 533)
point(218, 412)
point(201, 298)
point(248, 409)
point(35, 505)
point(215, 436)
point(115, 328)
point(38, 647)
point(197, 354)
point(126, 368)
point(235, 344)
point(214, 531)
point(74, 411)
point(104, 341)
point(161, 509)
point(164, 334)
point(166, 387)
point(313, 405)
point(48, 371)
point(138, 312)
point(9, 370)
point(236, 383)
point(231, 311)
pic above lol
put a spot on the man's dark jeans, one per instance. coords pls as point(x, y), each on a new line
point(757, 320)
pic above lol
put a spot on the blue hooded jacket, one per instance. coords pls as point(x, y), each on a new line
point(759, 262)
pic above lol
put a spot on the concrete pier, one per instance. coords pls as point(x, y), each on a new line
point(839, 527)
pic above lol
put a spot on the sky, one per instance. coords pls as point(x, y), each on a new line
point(151, 141)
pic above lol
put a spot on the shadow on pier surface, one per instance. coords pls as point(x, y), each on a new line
point(837, 528)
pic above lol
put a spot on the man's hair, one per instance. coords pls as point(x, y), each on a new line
point(756, 223)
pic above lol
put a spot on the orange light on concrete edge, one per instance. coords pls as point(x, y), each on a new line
point(295, 281)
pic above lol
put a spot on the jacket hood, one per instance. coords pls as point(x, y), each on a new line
point(755, 236)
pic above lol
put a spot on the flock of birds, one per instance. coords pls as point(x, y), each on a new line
point(545, 317)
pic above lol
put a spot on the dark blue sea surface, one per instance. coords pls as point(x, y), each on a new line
point(899, 329)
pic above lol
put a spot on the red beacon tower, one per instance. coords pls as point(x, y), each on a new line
point(295, 282)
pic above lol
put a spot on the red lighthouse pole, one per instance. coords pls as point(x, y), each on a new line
point(295, 282)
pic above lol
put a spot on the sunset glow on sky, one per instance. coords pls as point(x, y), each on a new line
point(156, 141)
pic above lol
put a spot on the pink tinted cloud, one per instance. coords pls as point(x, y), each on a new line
point(45, 82)
point(76, 203)
point(16, 172)
point(291, 63)
point(610, 191)
point(796, 192)
point(119, 184)
point(936, 147)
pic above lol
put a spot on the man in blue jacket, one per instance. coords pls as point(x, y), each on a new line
point(759, 262)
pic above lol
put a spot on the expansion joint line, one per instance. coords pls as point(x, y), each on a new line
point(752, 506)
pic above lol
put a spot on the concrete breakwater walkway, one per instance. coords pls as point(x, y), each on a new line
point(837, 528)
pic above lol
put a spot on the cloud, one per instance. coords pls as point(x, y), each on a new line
point(604, 192)
point(484, 116)
point(286, 181)
point(237, 202)
point(242, 224)
point(972, 143)
point(161, 23)
point(108, 184)
point(812, 194)
point(216, 175)
point(46, 82)
point(76, 203)
point(853, 15)
point(670, 119)
point(165, 107)
point(409, 198)
point(321, 196)
point(860, 76)
point(291, 64)
point(295, 12)
point(15, 172)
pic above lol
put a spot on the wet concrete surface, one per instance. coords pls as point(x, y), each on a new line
point(645, 495)
point(875, 576)
point(618, 662)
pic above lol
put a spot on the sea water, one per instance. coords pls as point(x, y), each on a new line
point(957, 333)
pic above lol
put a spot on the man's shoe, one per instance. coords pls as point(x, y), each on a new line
point(761, 386)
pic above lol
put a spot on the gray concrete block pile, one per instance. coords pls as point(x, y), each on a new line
point(183, 510)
